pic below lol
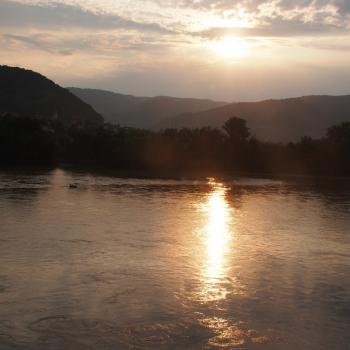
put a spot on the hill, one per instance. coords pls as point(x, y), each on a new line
point(141, 112)
point(25, 92)
point(274, 120)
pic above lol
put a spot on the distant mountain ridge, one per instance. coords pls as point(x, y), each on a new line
point(25, 92)
point(281, 120)
point(274, 120)
point(141, 112)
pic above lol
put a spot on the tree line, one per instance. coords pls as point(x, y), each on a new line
point(203, 151)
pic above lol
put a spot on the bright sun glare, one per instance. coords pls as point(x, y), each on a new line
point(230, 47)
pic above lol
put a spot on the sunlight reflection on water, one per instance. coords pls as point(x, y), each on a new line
point(164, 264)
point(217, 237)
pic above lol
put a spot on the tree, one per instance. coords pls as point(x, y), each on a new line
point(237, 143)
point(339, 134)
point(24, 140)
point(338, 141)
point(237, 130)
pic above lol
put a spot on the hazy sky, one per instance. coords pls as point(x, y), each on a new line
point(222, 49)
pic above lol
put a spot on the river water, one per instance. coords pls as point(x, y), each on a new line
point(113, 263)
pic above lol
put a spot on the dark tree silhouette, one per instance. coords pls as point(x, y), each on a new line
point(338, 149)
point(24, 140)
point(237, 143)
point(339, 134)
point(204, 152)
point(237, 130)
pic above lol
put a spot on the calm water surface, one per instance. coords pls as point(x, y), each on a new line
point(154, 264)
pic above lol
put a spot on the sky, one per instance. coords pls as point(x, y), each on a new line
point(227, 50)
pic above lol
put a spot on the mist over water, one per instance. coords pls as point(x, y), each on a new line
point(163, 264)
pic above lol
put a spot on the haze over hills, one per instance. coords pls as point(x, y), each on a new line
point(141, 112)
point(25, 92)
point(271, 120)
point(28, 93)
point(275, 120)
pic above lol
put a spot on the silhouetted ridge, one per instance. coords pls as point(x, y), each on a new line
point(25, 92)
point(274, 120)
point(141, 112)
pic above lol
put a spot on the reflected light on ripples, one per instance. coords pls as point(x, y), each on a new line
point(217, 238)
point(218, 281)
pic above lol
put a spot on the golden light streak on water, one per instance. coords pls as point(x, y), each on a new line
point(217, 238)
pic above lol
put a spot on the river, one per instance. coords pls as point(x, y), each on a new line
point(99, 262)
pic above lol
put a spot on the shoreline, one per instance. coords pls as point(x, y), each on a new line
point(171, 175)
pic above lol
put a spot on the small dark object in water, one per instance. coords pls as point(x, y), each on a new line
point(73, 186)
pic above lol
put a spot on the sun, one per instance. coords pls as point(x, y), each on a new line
point(230, 47)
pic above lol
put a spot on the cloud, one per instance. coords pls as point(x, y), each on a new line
point(38, 43)
point(60, 16)
point(341, 6)
point(279, 18)
point(314, 16)
point(164, 46)
point(108, 45)
point(277, 27)
point(269, 18)
point(341, 44)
